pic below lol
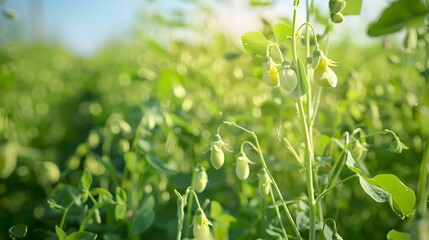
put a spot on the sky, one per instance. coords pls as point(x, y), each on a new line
point(84, 26)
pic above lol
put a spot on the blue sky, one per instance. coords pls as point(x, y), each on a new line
point(85, 25)
point(82, 25)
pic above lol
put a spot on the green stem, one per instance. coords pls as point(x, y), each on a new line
point(294, 153)
point(63, 218)
point(276, 208)
point(339, 163)
point(308, 162)
point(422, 189)
point(189, 212)
point(315, 106)
point(87, 217)
point(334, 186)
point(196, 198)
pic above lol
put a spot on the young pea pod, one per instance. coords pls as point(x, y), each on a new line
point(217, 157)
point(242, 169)
point(288, 79)
point(200, 180)
point(264, 184)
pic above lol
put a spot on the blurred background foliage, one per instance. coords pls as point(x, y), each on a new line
point(52, 102)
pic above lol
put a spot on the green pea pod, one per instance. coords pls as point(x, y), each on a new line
point(302, 88)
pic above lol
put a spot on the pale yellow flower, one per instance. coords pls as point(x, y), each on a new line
point(201, 225)
point(324, 76)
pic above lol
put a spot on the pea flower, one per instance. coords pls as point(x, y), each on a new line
point(270, 73)
point(201, 225)
point(264, 184)
point(324, 76)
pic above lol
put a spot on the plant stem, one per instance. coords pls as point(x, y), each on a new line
point(87, 217)
point(278, 213)
point(189, 212)
point(422, 189)
point(334, 186)
point(308, 162)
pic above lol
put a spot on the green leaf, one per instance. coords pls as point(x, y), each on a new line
point(120, 211)
point(215, 209)
point(121, 195)
point(351, 163)
point(353, 7)
point(60, 233)
point(388, 187)
point(395, 235)
point(8, 158)
point(255, 43)
point(377, 193)
point(101, 191)
point(82, 236)
point(143, 217)
point(85, 181)
point(400, 14)
point(258, 3)
point(282, 32)
point(130, 161)
point(54, 205)
point(403, 198)
point(303, 82)
point(160, 166)
point(18, 231)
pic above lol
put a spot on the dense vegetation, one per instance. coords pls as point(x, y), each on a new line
point(108, 145)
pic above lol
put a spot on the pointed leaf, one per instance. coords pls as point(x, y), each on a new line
point(282, 32)
point(120, 212)
point(86, 180)
point(101, 191)
point(403, 197)
point(143, 217)
point(351, 163)
point(395, 235)
point(60, 233)
point(255, 43)
point(377, 193)
point(400, 14)
point(82, 236)
point(160, 166)
point(121, 195)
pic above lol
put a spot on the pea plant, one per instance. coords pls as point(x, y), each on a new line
point(293, 59)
